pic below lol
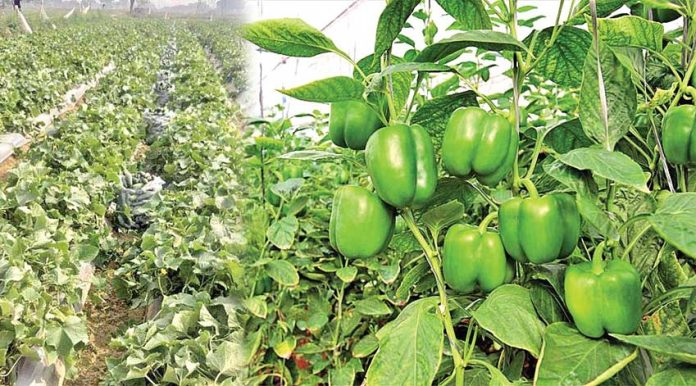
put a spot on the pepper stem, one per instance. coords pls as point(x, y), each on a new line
point(597, 263)
point(529, 185)
point(487, 220)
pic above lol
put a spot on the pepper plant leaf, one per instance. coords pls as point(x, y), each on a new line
point(570, 358)
point(410, 347)
point(471, 14)
point(620, 97)
point(292, 37)
point(508, 314)
point(335, 89)
point(488, 40)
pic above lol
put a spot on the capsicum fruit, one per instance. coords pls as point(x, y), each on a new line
point(603, 296)
point(679, 135)
point(539, 229)
point(473, 255)
point(361, 225)
point(351, 123)
point(478, 143)
point(401, 164)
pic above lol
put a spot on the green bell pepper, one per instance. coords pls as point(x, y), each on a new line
point(361, 225)
point(679, 135)
point(473, 255)
point(603, 296)
point(351, 123)
point(401, 163)
point(539, 229)
point(479, 143)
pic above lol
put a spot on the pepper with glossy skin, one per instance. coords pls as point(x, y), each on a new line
point(401, 164)
point(679, 135)
point(361, 224)
point(478, 143)
point(603, 296)
point(539, 229)
point(474, 256)
point(351, 123)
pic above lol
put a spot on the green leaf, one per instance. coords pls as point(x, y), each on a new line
point(347, 274)
point(372, 307)
point(604, 8)
point(508, 314)
point(336, 89)
point(607, 164)
point(342, 376)
point(282, 233)
point(681, 348)
point(567, 136)
point(632, 31)
point(680, 376)
point(72, 333)
point(288, 187)
point(563, 61)
point(620, 96)
point(414, 66)
point(257, 306)
point(471, 14)
point(574, 179)
point(675, 221)
point(226, 359)
point(488, 40)
point(292, 37)
point(596, 217)
point(410, 347)
point(282, 272)
point(434, 114)
point(285, 348)
point(497, 377)
point(443, 216)
point(86, 252)
point(391, 22)
point(570, 358)
point(546, 304)
point(365, 346)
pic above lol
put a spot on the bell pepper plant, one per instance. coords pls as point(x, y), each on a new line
point(554, 138)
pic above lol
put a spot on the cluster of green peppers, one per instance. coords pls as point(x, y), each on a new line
point(477, 144)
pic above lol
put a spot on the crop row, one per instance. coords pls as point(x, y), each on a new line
point(189, 257)
point(37, 70)
point(221, 41)
point(54, 204)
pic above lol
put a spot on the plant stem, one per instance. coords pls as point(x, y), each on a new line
point(535, 155)
point(487, 220)
point(611, 191)
point(419, 80)
point(597, 263)
point(529, 185)
point(684, 82)
point(339, 316)
point(430, 256)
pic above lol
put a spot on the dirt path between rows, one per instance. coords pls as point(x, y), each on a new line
point(105, 317)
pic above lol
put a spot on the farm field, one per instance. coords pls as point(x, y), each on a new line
point(120, 216)
point(501, 193)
